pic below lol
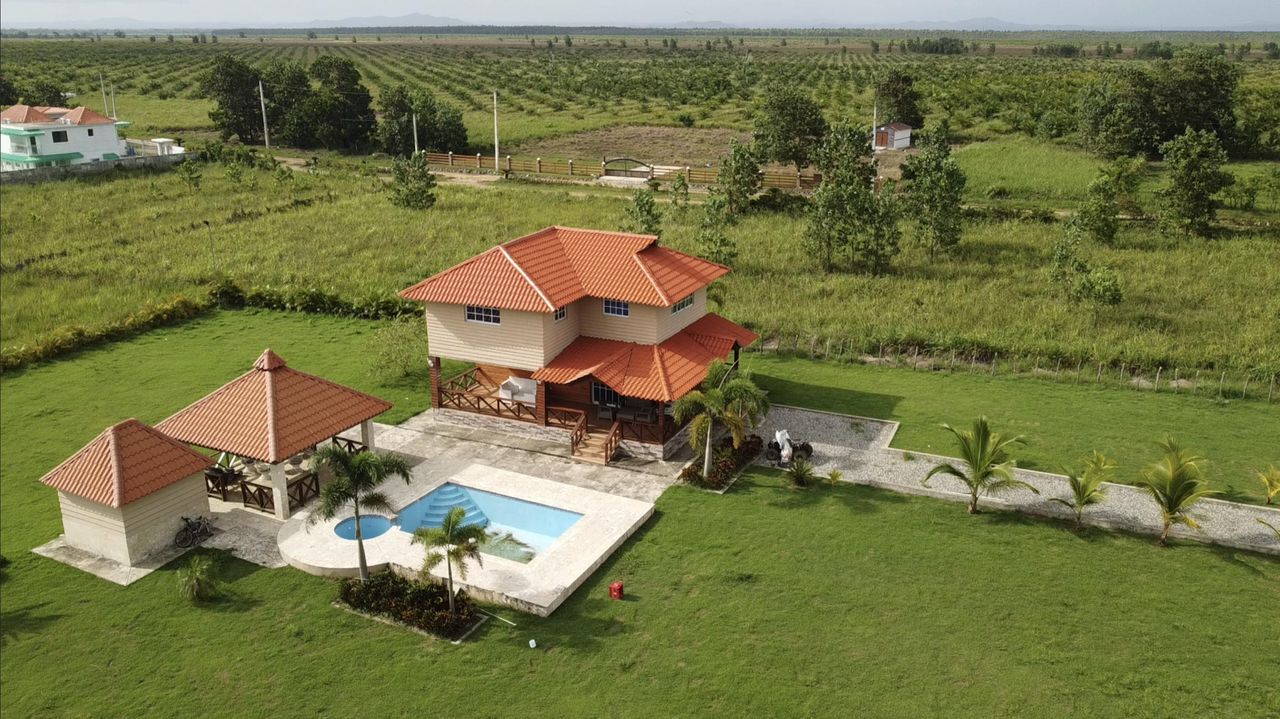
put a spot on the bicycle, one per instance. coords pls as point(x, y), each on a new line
point(193, 530)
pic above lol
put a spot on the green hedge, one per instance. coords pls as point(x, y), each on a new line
point(225, 294)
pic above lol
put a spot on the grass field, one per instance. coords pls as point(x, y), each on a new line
point(901, 606)
point(118, 243)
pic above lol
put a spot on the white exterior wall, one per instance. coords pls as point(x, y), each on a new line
point(900, 139)
point(136, 530)
point(558, 335)
point(104, 140)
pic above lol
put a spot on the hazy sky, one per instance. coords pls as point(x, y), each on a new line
point(1152, 14)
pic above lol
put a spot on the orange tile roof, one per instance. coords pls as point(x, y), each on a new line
point(663, 372)
point(272, 412)
point(126, 462)
point(558, 265)
point(84, 116)
point(23, 114)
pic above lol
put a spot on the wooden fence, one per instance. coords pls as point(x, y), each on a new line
point(574, 168)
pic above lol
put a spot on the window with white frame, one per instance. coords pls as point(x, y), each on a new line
point(562, 313)
point(484, 315)
point(617, 308)
point(604, 394)
point(682, 304)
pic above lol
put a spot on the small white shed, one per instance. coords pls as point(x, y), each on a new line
point(894, 136)
point(123, 495)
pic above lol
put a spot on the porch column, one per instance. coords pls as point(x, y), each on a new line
point(280, 491)
point(434, 363)
point(662, 423)
point(366, 434)
point(540, 404)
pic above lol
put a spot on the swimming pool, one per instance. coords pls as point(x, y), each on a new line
point(535, 526)
point(371, 525)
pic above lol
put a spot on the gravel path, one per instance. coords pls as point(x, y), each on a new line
point(859, 447)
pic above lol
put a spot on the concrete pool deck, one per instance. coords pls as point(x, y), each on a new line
point(538, 587)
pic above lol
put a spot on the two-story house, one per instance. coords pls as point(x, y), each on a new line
point(590, 332)
point(43, 136)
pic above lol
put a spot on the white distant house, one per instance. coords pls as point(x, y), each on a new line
point(43, 136)
point(893, 136)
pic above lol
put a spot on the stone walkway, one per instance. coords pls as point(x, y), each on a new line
point(859, 447)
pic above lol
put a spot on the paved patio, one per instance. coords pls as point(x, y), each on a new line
point(859, 447)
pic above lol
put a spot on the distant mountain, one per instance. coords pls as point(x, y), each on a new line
point(416, 19)
point(696, 25)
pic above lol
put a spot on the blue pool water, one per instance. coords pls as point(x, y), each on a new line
point(537, 526)
point(371, 525)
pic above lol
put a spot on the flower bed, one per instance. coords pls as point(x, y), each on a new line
point(415, 604)
point(727, 462)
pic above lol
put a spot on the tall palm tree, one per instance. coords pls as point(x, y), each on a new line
point(735, 402)
point(355, 482)
point(1176, 484)
point(986, 453)
point(453, 543)
point(1086, 486)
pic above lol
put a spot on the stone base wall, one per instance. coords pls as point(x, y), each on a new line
point(61, 172)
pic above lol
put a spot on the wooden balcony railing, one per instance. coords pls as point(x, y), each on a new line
point(482, 404)
point(257, 497)
point(462, 382)
point(303, 489)
point(564, 417)
point(611, 442)
point(579, 433)
point(352, 446)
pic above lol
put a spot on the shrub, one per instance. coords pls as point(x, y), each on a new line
point(685, 119)
point(420, 605)
point(198, 581)
point(801, 473)
point(412, 184)
point(399, 349)
point(726, 462)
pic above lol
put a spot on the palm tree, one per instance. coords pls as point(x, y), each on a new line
point(453, 543)
point(355, 482)
point(1176, 484)
point(735, 402)
point(1270, 478)
point(1086, 487)
point(1270, 526)
point(986, 453)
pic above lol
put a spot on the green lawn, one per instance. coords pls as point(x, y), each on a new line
point(766, 600)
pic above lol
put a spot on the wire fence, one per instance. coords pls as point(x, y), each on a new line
point(1212, 383)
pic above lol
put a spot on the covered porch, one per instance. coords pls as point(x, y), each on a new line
point(266, 425)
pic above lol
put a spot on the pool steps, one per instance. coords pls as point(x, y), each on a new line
point(446, 498)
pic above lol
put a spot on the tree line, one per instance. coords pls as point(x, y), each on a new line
point(325, 105)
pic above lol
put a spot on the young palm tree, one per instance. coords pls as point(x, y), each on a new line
point(355, 482)
point(1270, 478)
point(453, 543)
point(1270, 526)
point(1176, 484)
point(986, 453)
point(736, 403)
point(1086, 487)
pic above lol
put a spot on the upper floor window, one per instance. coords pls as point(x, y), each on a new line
point(617, 308)
point(91, 132)
point(59, 135)
point(682, 304)
point(485, 315)
point(562, 313)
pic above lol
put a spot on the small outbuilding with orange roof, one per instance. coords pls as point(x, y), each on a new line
point(123, 495)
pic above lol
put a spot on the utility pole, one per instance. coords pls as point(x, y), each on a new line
point(496, 164)
point(415, 133)
point(262, 100)
point(114, 116)
point(102, 82)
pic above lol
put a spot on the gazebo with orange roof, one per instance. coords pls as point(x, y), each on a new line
point(272, 413)
point(123, 494)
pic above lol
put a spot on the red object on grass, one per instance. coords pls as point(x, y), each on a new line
point(615, 590)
